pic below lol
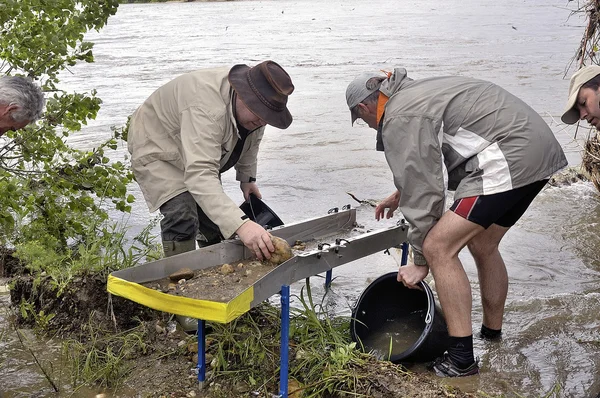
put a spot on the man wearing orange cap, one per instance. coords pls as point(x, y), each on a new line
point(469, 136)
point(190, 131)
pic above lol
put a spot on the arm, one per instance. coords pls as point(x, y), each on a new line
point(413, 151)
point(201, 138)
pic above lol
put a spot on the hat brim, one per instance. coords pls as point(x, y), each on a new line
point(239, 82)
point(353, 115)
point(571, 113)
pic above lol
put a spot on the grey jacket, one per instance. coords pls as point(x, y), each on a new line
point(462, 134)
point(180, 138)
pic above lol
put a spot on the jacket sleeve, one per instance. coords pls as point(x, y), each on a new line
point(201, 139)
point(413, 152)
point(246, 166)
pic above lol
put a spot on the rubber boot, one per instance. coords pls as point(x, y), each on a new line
point(172, 248)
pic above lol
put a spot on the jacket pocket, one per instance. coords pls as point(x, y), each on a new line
point(171, 157)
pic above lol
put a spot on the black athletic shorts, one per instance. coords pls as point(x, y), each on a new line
point(504, 208)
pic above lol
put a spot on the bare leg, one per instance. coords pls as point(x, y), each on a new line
point(441, 248)
point(491, 270)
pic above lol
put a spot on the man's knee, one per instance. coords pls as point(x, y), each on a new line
point(481, 249)
point(434, 249)
point(487, 242)
point(180, 219)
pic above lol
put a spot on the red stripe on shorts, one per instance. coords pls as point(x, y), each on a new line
point(465, 205)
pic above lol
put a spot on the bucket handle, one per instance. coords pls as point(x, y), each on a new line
point(428, 316)
point(403, 261)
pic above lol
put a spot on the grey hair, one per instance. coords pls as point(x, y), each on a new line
point(23, 93)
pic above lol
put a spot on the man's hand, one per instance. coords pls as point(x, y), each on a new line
point(257, 239)
point(248, 188)
point(391, 203)
point(410, 275)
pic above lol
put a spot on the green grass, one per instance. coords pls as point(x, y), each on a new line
point(323, 360)
point(101, 357)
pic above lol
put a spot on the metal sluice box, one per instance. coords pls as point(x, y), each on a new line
point(331, 240)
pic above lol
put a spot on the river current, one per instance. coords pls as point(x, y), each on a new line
point(552, 322)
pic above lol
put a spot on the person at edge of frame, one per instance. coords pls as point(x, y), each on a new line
point(21, 103)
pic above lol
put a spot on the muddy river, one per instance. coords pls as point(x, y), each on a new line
point(552, 322)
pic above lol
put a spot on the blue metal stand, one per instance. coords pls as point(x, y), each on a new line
point(328, 277)
point(201, 353)
point(404, 259)
point(285, 341)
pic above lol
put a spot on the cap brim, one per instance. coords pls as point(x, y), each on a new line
point(239, 82)
point(353, 116)
point(571, 113)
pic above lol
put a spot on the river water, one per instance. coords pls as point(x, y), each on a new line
point(552, 321)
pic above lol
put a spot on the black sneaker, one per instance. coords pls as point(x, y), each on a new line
point(487, 337)
point(444, 367)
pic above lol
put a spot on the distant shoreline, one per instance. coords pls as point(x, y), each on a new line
point(170, 1)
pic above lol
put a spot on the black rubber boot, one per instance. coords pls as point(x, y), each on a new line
point(171, 247)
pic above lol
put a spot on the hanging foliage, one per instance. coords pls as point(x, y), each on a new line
point(52, 192)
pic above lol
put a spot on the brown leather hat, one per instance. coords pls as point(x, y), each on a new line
point(264, 89)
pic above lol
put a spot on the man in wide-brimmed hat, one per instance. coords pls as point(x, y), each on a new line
point(455, 133)
point(190, 131)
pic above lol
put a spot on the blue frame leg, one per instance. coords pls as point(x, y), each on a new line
point(404, 259)
point(285, 341)
point(328, 277)
point(201, 353)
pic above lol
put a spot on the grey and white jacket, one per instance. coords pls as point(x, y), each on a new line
point(460, 134)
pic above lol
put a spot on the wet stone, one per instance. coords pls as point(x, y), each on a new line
point(183, 273)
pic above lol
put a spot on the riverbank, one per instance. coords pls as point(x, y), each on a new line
point(113, 345)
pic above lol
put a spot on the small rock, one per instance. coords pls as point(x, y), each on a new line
point(240, 265)
point(300, 354)
point(227, 269)
point(208, 358)
point(299, 245)
point(171, 327)
point(248, 272)
point(192, 347)
point(159, 329)
point(184, 273)
point(181, 281)
point(172, 286)
point(181, 343)
point(191, 394)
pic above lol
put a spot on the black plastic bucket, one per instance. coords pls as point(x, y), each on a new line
point(399, 324)
point(260, 213)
